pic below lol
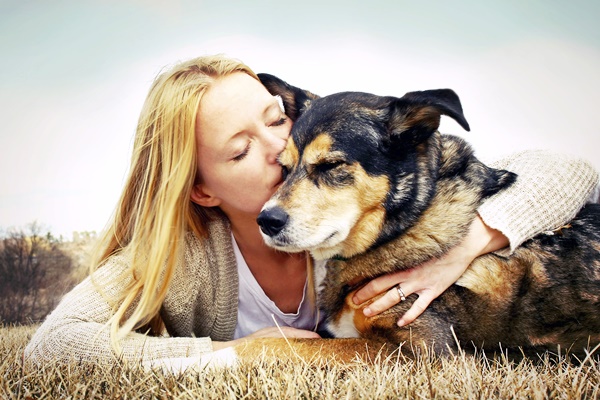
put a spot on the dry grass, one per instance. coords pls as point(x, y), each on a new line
point(459, 377)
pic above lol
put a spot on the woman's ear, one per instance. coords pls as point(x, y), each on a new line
point(202, 198)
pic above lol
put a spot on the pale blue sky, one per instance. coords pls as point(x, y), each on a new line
point(74, 75)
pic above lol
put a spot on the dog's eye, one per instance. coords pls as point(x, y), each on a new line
point(328, 166)
point(331, 173)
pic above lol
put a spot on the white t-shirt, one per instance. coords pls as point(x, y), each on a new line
point(256, 310)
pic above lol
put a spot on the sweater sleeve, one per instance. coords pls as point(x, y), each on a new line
point(550, 190)
point(77, 329)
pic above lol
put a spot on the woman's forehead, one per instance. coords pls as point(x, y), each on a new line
point(233, 90)
point(231, 104)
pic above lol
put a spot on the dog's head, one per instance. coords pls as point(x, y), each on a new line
point(351, 159)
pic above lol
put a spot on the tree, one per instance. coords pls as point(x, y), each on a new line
point(34, 274)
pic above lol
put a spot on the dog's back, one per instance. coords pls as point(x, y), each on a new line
point(557, 301)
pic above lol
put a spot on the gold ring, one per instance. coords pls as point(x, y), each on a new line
point(400, 292)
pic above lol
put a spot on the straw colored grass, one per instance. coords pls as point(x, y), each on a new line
point(458, 377)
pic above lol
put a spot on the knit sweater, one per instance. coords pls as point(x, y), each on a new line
point(201, 303)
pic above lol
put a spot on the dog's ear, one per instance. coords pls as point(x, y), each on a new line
point(295, 100)
point(416, 115)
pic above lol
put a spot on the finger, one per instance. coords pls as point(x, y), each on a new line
point(415, 310)
point(388, 300)
point(378, 286)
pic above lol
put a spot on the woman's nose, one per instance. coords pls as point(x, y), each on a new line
point(274, 147)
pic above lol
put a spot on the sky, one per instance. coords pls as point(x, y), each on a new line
point(74, 75)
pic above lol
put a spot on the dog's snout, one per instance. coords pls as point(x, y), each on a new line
point(272, 220)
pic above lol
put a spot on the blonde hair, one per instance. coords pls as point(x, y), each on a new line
point(155, 212)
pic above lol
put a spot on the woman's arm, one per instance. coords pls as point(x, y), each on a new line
point(78, 328)
point(550, 190)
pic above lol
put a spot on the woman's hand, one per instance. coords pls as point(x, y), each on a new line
point(270, 332)
point(432, 278)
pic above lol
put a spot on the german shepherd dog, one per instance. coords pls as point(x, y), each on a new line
point(373, 187)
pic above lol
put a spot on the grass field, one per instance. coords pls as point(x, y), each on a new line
point(458, 377)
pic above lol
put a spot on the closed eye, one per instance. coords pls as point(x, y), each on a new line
point(333, 173)
point(280, 121)
point(328, 166)
point(243, 154)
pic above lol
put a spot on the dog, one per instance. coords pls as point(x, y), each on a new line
point(373, 187)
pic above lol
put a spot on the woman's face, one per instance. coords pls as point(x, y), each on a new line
point(240, 131)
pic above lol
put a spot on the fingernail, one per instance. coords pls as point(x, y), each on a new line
point(355, 300)
point(401, 323)
point(367, 311)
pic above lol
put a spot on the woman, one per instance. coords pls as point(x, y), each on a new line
point(182, 269)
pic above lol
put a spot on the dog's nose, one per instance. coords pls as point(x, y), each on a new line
point(272, 220)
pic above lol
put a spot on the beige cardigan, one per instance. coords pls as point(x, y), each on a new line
point(201, 304)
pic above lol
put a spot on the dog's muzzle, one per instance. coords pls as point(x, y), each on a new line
point(272, 221)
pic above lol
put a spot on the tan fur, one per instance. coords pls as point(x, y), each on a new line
point(361, 322)
point(425, 115)
point(290, 155)
point(344, 351)
point(334, 201)
point(321, 204)
point(486, 279)
point(372, 213)
point(318, 150)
